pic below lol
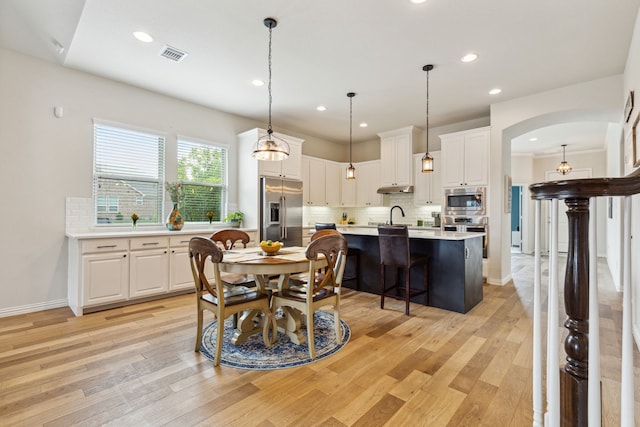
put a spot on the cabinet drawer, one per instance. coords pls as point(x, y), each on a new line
point(179, 241)
point(104, 245)
point(149, 243)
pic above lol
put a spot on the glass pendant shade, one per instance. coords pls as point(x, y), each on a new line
point(271, 148)
point(351, 172)
point(427, 163)
point(564, 167)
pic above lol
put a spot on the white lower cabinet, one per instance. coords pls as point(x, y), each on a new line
point(106, 277)
point(117, 271)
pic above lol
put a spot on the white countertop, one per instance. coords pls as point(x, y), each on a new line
point(413, 233)
point(145, 232)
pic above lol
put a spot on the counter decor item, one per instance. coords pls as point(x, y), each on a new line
point(235, 219)
point(134, 220)
point(210, 216)
point(174, 220)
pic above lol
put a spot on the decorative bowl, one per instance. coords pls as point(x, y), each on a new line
point(271, 249)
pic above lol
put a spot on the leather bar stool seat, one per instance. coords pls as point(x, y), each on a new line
point(395, 253)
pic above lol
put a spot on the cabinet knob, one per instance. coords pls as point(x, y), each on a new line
point(124, 256)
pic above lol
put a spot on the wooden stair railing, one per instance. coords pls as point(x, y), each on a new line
point(573, 391)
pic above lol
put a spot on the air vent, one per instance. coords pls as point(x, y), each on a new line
point(173, 54)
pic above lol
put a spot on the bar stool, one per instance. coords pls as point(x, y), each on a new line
point(394, 252)
point(353, 253)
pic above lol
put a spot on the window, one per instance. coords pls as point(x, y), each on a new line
point(202, 170)
point(128, 174)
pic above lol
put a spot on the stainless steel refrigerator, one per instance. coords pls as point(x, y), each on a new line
point(281, 210)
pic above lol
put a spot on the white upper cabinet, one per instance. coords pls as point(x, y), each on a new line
point(396, 150)
point(465, 158)
point(427, 189)
point(320, 182)
point(290, 168)
point(367, 184)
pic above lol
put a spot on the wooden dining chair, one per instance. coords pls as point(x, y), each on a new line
point(220, 301)
point(354, 255)
point(228, 238)
point(320, 289)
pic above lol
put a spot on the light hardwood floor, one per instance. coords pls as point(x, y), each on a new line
point(135, 366)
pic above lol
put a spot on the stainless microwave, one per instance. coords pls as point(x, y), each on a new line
point(465, 201)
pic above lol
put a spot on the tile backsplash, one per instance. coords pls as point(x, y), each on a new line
point(379, 214)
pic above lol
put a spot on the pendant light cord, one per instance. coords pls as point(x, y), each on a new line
point(427, 111)
point(350, 125)
point(269, 129)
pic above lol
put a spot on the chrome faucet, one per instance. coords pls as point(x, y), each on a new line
point(391, 213)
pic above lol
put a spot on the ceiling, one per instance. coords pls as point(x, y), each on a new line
point(322, 50)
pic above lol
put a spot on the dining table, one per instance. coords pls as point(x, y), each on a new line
point(266, 267)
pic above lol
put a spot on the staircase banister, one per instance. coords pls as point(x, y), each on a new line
point(587, 187)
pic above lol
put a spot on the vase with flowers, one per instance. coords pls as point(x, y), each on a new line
point(174, 220)
point(134, 220)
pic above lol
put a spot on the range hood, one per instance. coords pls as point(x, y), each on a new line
point(396, 189)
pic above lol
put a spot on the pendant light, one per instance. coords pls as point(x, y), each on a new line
point(270, 147)
point(427, 159)
point(351, 171)
point(564, 167)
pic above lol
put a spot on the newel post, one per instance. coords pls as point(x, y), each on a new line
point(574, 374)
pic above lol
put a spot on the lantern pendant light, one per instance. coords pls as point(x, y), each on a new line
point(564, 167)
point(427, 159)
point(351, 171)
point(270, 147)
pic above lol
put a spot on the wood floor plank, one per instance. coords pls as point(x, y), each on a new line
point(136, 365)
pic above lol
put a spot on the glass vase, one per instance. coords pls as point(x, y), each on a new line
point(174, 220)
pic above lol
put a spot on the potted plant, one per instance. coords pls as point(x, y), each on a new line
point(235, 219)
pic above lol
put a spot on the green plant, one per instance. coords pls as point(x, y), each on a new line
point(235, 216)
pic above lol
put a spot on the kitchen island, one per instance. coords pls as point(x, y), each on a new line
point(454, 270)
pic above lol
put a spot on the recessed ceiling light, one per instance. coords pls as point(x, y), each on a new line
point(257, 82)
point(495, 91)
point(142, 36)
point(469, 57)
point(363, 125)
point(534, 139)
point(417, 1)
point(321, 108)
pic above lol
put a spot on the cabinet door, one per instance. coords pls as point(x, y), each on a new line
point(388, 161)
point(476, 154)
point(180, 268)
point(316, 182)
point(270, 168)
point(367, 184)
point(149, 272)
point(437, 194)
point(402, 163)
point(421, 183)
point(332, 183)
point(453, 161)
point(292, 165)
point(305, 180)
point(105, 278)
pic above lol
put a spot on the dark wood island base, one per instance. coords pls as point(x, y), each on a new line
point(454, 273)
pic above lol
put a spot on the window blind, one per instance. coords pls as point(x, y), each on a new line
point(128, 175)
point(202, 170)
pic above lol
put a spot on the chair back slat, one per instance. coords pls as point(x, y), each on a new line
point(229, 237)
point(332, 248)
point(201, 249)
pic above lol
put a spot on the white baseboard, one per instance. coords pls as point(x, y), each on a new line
point(499, 282)
point(12, 311)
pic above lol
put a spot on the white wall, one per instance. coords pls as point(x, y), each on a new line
point(45, 159)
point(597, 100)
point(632, 82)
